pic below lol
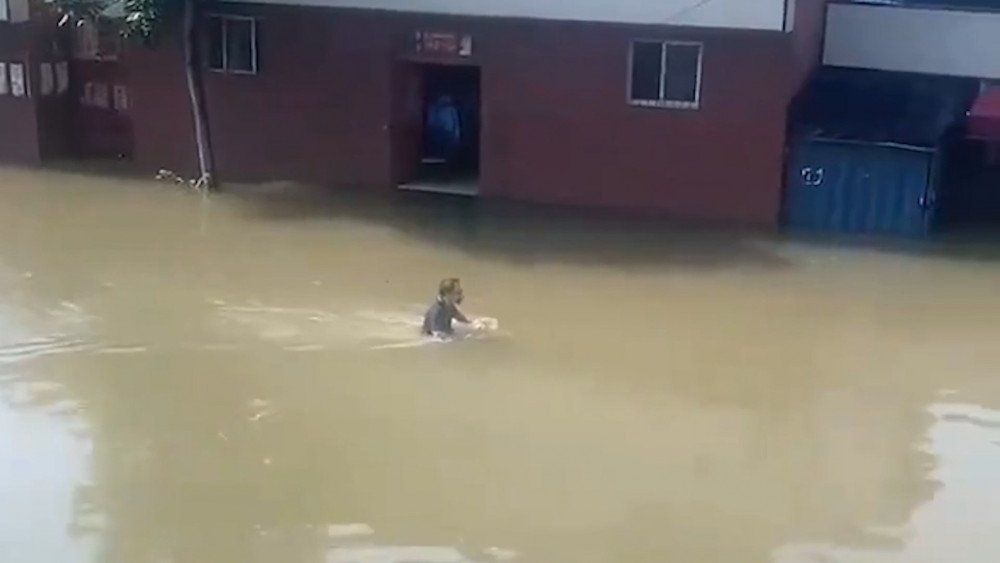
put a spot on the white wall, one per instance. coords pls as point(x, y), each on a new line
point(739, 14)
point(951, 42)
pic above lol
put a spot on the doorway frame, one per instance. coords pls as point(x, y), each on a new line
point(408, 119)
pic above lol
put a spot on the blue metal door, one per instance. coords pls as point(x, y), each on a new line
point(854, 188)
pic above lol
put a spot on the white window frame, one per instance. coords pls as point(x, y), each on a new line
point(225, 44)
point(4, 10)
point(661, 103)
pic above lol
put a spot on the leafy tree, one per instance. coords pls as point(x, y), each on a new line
point(147, 21)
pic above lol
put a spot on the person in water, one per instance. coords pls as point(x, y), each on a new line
point(438, 321)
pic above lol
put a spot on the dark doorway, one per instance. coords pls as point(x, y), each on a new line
point(972, 196)
point(449, 154)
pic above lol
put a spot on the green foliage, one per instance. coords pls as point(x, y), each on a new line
point(144, 20)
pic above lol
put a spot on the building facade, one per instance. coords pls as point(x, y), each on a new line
point(34, 83)
point(941, 39)
point(665, 107)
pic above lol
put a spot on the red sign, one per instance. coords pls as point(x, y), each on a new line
point(448, 44)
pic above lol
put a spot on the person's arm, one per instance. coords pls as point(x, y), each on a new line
point(460, 316)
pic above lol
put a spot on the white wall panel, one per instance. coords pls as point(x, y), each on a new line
point(931, 41)
point(736, 14)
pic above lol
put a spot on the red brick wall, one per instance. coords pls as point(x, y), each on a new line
point(556, 126)
point(163, 134)
point(101, 132)
point(315, 113)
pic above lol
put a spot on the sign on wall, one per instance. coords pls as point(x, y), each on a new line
point(120, 98)
point(46, 79)
point(62, 77)
point(443, 44)
point(18, 81)
point(95, 94)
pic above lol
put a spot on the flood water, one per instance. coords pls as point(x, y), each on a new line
point(239, 380)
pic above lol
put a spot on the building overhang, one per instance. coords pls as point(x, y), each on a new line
point(759, 15)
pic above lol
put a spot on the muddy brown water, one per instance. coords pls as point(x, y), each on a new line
point(237, 380)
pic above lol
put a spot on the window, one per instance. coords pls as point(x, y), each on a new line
point(4, 11)
point(95, 94)
point(4, 88)
point(120, 98)
point(665, 74)
point(232, 44)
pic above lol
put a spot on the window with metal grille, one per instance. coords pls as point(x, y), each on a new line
point(232, 44)
point(665, 74)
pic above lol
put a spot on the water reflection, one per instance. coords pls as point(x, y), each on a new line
point(768, 402)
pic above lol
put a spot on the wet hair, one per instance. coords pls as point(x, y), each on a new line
point(449, 285)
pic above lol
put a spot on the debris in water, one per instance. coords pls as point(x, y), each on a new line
point(262, 414)
point(223, 436)
point(501, 554)
point(263, 409)
point(349, 530)
point(267, 461)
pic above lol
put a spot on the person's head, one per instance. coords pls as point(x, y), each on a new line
point(450, 291)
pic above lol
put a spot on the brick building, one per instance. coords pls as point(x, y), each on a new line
point(668, 106)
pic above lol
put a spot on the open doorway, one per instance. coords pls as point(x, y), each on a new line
point(449, 149)
point(972, 196)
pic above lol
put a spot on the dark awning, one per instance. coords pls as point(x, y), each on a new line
point(984, 117)
point(871, 106)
